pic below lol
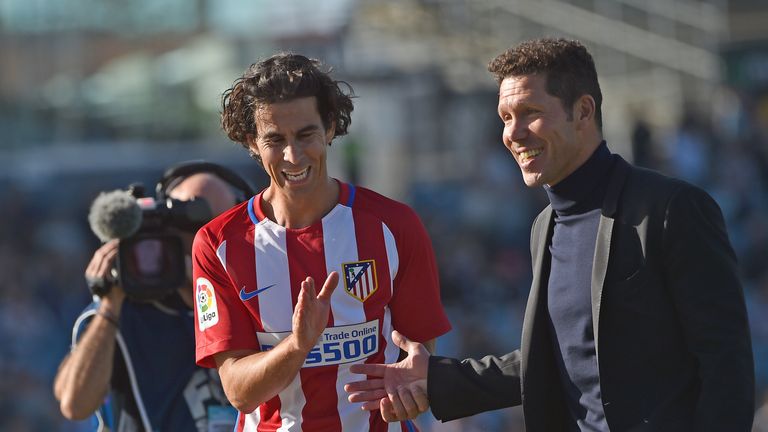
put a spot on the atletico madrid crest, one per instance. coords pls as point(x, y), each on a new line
point(360, 279)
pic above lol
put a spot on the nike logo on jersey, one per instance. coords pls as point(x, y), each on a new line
point(245, 296)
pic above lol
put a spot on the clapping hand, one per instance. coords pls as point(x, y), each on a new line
point(311, 314)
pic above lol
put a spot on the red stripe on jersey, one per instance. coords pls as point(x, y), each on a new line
point(306, 257)
point(371, 245)
point(241, 267)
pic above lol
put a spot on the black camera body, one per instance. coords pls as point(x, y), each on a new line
point(151, 264)
point(152, 256)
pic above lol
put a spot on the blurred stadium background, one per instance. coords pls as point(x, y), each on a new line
point(97, 94)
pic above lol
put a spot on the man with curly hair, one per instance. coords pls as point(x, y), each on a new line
point(282, 350)
point(636, 318)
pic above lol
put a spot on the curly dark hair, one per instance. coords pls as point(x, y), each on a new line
point(569, 68)
point(281, 78)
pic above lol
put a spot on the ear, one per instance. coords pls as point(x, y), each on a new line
point(254, 155)
point(584, 111)
point(330, 132)
point(253, 149)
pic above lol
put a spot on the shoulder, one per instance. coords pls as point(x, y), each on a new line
point(646, 189)
point(648, 182)
point(236, 218)
point(391, 212)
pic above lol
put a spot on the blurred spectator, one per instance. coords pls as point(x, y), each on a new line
point(643, 152)
point(691, 154)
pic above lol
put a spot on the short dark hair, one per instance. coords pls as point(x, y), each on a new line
point(568, 67)
point(282, 78)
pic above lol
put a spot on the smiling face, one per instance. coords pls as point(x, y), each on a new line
point(545, 139)
point(292, 143)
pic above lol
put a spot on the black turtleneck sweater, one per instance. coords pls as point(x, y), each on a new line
point(577, 201)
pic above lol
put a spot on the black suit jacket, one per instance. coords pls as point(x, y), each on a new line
point(670, 325)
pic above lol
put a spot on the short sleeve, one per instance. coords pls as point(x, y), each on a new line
point(222, 323)
point(417, 311)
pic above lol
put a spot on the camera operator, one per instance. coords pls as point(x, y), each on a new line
point(133, 366)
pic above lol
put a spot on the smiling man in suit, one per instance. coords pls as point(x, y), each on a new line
point(635, 319)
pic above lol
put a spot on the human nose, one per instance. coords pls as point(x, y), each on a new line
point(292, 152)
point(514, 131)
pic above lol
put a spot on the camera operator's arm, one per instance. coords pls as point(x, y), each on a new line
point(84, 375)
point(251, 378)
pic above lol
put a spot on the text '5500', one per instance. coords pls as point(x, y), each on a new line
point(337, 345)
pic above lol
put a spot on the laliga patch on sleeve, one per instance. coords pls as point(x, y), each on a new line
point(205, 297)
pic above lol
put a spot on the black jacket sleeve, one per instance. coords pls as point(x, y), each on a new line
point(701, 276)
point(463, 388)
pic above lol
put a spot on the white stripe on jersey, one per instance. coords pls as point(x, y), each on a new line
point(392, 256)
point(276, 307)
point(275, 304)
point(394, 427)
point(291, 414)
point(340, 246)
point(221, 252)
point(392, 351)
point(252, 420)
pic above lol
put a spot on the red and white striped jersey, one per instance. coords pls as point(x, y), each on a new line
point(248, 272)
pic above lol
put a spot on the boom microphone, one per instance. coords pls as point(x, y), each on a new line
point(114, 215)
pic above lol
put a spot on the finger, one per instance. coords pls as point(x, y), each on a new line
point(372, 369)
point(329, 286)
point(409, 404)
point(98, 258)
point(397, 405)
point(308, 286)
point(107, 248)
point(422, 402)
point(373, 384)
point(303, 299)
point(367, 396)
point(105, 265)
point(401, 341)
point(112, 244)
point(90, 270)
point(387, 410)
point(372, 405)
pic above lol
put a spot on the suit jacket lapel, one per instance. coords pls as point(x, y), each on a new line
point(542, 231)
point(599, 268)
point(603, 241)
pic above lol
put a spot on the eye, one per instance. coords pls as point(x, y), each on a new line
point(272, 142)
point(530, 111)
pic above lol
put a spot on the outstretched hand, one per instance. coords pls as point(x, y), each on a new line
point(311, 314)
point(400, 391)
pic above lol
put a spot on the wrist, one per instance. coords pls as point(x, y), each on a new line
point(109, 316)
point(296, 347)
point(113, 301)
